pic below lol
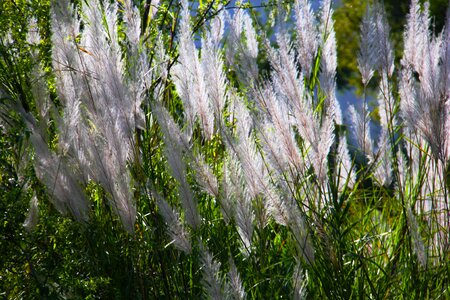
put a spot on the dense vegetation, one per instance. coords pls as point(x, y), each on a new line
point(167, 149)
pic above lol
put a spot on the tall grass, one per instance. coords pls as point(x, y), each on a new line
point(239, 181)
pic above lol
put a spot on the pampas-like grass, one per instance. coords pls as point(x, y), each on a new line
point(234, 288)
point(254, 163)
point(190, 79)
point(367, 50)
point(211, 280)
point(91, 81)
point(308, 36)
point(328, 62)
point(174, 156)
point(178, 233)
point(242, 49)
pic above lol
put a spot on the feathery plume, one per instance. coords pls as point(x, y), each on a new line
point(418, 246)
point(307, 36)
point(244, 221)
point(328, 62)
point(205, 176)
point(360, 126)
point(226, 200)
point(278, 135)
point(445, 55)
point(63, 182)
point(409, 108)
point(211, 280)
point(234, 288)
point(382, 160)
point(137, 62)
point(424, 105)
point(324, 139)
point(430, 67)
point(299, 283)
point(190, 79)
point(280, 209)
point(174, 155)
point(318, 139)
point(180, 237)
point(445, 74)
point(405, 174)
point(288, 84)
point(243, 146)
point(434, 205)
point(283, 208)
point(101, 104)
point(33, 214)
point(367, 51)
point(132, 24)
point(63, 186)
point(386, 104)
point(242, 206)
point(113, 113)
point(344, 170)
point(415, 35)
point(287, 81)
point(212, 64)
point(273, 149)
point(242, 50)
point(384, 52)
point(253, 166)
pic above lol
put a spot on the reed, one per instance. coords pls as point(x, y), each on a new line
point(231, 179)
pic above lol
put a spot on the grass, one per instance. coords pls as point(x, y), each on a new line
point(241, 186)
